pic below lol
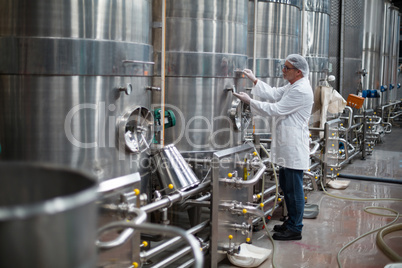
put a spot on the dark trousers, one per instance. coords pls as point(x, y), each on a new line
point(291, 183)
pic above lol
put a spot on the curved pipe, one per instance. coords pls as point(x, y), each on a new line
point(316, 146)
point(253, 181)
point(367, 178)
point(126, 234)
point(162, 229)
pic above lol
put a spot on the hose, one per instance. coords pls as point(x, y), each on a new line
point(383, 247)
point(367, 178)
point(372, 231)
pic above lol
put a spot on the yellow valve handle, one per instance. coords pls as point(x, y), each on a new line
point(248, 239)
point(230, 237)
point(145, 243)
point(230, 175)
point(171, 186)
point(262, 205)
point(136, 191)
point(244, 210)
point(135, 265)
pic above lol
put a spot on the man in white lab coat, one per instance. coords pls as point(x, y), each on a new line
point(290, 107)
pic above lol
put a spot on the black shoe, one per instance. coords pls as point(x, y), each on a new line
point(287, 235)
point(280, 228)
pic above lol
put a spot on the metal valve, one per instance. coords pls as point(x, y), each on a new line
point(153, 88)
point(127, 89)
point(233, 89)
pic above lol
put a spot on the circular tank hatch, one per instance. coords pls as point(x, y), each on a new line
point(135, 129)
point(240, 115)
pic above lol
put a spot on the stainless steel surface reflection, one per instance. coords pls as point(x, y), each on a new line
point(278, 35)
point(206, 44)
point(349, 31)
point(62, 65)
point(47, 217)
point(316, 40)
point(173, 169)
point(394, 52)
point(372, 39)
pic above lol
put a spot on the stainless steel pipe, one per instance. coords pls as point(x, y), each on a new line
point(126, 234)
point(164, 230)
point(168, 200)
point(146, 255)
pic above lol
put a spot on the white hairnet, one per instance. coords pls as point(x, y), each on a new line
point(299, 62)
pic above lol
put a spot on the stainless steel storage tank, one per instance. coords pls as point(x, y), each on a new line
point(205, 44)
point(334, 41)
point(47, 217)
point(386, 51)
point(346, 45)
point(277, 36)
point(394, 52)
point(278, 31)
point(315, 43)
point(72, 76)
point(372, 36)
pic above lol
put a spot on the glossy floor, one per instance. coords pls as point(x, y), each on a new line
point(340, 221)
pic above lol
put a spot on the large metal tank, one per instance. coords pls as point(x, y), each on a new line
point(205, 45)
point(334, 39)
point(386, 45)
point(277, 35)
point(315, 43)
point(47, 217)
point(394, 53)
point(346, 44)
point(65, 67)
point(372, 39)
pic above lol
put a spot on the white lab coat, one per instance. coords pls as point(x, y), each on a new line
point(290, 108)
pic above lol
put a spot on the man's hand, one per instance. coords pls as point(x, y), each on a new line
point(243, 97)
point(250, 75)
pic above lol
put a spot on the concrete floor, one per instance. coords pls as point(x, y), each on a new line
point(341, 221)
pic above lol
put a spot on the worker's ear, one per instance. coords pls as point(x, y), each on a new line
point(299, 72)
